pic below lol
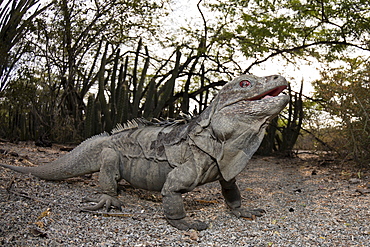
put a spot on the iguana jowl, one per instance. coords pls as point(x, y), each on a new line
point(175, 159)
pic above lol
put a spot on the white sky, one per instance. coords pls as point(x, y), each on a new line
point(185, 12)
point(295, 74)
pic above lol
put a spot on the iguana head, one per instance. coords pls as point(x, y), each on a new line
point(247, 102)
point(247, 99)
point(252, 95)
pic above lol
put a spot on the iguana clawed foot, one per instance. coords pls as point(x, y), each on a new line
point(185, 225)
point(248, 213)
point(104, 199)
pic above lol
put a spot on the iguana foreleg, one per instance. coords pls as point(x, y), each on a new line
point(175, 213)
point(109, 176)
point(180, 180)
point(231, 193)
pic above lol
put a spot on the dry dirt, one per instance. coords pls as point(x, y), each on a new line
point(310, 201)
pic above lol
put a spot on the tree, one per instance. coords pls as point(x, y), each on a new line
point(70, 43)
point(289, 28)
point(67, 43)
point(345, 93)
point(15, 19)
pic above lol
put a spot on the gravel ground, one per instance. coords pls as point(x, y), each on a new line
point(309, 202)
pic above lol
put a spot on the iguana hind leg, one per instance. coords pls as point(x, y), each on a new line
point(231, 193)
point(109, 176)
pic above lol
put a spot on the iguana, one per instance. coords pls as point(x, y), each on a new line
point(176, 158)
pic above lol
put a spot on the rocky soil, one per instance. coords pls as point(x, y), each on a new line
point(309, 200)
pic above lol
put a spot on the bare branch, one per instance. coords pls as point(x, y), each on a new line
point(294, 49)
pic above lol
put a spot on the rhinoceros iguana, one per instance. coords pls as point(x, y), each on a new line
point(176, 158)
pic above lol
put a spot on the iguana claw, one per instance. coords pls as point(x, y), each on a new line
point(248, 214)
point(104, 199)
point(185, 225)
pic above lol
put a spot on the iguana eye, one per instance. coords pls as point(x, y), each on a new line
point(244, 83)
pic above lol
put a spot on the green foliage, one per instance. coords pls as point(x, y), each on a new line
point(67, 43)
point(263, 29)
point(18, 102)
point(346, 93)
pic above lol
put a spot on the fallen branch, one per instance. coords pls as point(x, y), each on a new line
point(120, 214)
point(22, 194)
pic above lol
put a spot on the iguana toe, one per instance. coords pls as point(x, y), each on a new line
point(107, 200)
point(258, 212)
point(185, 225)
point(248, 213)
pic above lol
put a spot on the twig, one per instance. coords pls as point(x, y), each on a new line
point(22, 194)
point(8, 187)
point(29, 162)
point(108, 214)
point(9, 184)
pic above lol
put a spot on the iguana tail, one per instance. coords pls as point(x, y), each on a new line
point(81, 160)
point(22, 169)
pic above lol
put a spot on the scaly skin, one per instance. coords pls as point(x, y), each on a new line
point(175, 159)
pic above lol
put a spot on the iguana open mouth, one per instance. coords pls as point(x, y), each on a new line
point(269, 94)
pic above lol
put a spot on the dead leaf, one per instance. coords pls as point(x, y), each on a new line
point(37, 233)
point(40, 224)
point(354, 181)
point(193, 235)
point(249, 218)
point(44, 214)
point(205, 201)
point(362, 191)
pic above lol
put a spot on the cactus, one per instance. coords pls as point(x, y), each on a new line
point(140, 86)
point(122, 95)
point(281, 139)
point(134, 72)
point(151, 99)
point(168, 87)
point(106, 117)
point(90, 120)
point(290, 132)
point(113, 89)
